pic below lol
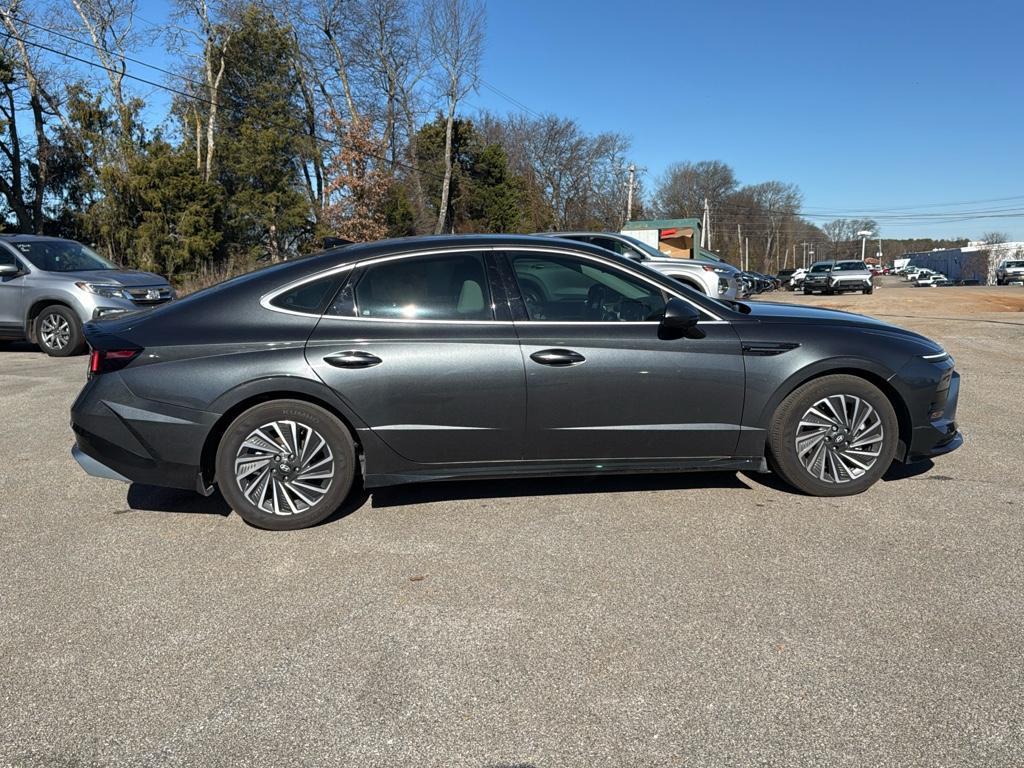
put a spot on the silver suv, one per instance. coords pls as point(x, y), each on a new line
point(50, 287)
point(716, 279)
point(838, 276)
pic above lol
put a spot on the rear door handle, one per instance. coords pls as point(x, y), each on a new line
point(352, 359)
point(558, 358)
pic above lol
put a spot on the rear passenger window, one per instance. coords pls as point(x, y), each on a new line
point(446, 287)
point(308, 298)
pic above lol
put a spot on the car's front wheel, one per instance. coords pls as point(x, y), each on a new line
point(59, 331)
point(834, 436)
point(285, 464)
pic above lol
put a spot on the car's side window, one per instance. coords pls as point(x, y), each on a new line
point(442, 287)
point(7, 258)
point(308, 298)
point(568, 289)
point(613, 245)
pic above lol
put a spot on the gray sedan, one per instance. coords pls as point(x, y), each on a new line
point(494, 356)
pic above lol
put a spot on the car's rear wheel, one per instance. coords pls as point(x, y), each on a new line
point(834, 436)
point(59, 331)
point(285, 464)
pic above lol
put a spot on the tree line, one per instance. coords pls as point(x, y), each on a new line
point(283, 123)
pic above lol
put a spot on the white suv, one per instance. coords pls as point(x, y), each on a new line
point(1010, 272)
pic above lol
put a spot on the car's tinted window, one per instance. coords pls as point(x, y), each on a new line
point(850, 266)
point(564, 288)
point(7, 258)
point(309, 298)
point(448, 287)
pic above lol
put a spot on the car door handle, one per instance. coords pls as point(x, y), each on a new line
point(557, 357)
point(352, 359)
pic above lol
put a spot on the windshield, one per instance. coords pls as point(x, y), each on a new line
point(61, 256)
point(850, 266)
point(825, 266)
point(1015, 264)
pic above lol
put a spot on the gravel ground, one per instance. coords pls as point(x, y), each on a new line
point(697, 620)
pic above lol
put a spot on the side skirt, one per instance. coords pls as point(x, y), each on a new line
point(525, 469)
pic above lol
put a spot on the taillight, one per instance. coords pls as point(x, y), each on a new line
point(107, 360)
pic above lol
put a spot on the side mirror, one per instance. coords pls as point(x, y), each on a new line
point(680, 319)
point(9, 270)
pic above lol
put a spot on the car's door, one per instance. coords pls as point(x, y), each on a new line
point(12, 293)
point(422, 350)
point(601, 382)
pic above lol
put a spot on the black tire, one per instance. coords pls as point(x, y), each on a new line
point(333, 491)
point(58, 331)
point(870, 289)
point(782, 437)
point(808, 292)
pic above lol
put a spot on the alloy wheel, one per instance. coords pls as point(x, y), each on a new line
point(284, 467)
point(839, 438)
point(55, 331)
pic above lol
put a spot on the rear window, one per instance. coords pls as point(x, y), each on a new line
point(308, 298)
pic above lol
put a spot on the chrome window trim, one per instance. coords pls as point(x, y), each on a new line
point(271, 295)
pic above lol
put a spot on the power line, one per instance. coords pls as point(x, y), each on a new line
point(208, 102)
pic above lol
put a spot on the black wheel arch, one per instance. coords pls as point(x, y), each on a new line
point(870, 371)
point(240, 399)
point(37, 308)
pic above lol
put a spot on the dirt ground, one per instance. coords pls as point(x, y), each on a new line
point(987, 302)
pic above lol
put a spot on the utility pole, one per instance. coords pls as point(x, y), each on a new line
point(739, 241)
point(705, 233)
point(746, 261)
point(805, 254)
point(629, 192)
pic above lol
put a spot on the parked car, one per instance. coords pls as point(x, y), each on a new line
point(49, 287)
point(494, 356)
point(928, 279)
point(912, 273)
point(712, 278)
point(1010, 271)
point(783, 277)
point(760, 283)
point(838, 277)
point(796, 281)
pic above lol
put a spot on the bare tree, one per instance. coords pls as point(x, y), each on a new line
point(456, 31)
point(110, 26)
point(683, 187)
point(991, 238)
point(27, 162)
point(213, 40)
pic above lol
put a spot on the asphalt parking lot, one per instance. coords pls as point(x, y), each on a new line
point(692, 620)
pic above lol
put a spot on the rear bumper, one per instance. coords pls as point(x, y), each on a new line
point(120, 436)
point(94, 467)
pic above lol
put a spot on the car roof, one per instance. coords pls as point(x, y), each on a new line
point(28, 238)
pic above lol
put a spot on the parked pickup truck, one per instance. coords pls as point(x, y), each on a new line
point(830, 277)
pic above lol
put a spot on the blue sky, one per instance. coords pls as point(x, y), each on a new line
point(864, 105)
